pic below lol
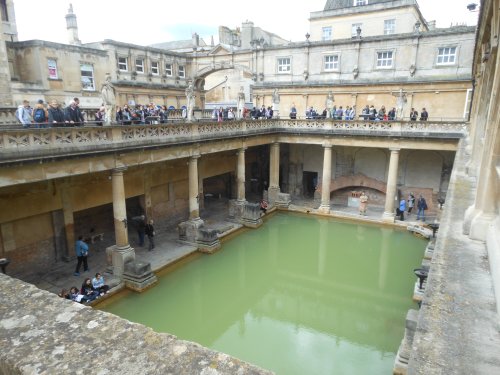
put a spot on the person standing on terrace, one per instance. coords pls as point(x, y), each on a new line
point(56, 114)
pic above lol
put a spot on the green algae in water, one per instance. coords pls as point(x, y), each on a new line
point(300, 295)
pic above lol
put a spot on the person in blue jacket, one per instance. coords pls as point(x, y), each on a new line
point(82, 251)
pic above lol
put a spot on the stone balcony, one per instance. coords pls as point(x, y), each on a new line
point(29, 144)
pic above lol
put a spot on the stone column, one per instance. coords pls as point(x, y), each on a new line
point(392, 180)
point(148, 200)
point(274, 173)
point(119, 208)
point(240, 171)
point(121, 252)
point(327, 177)
point(194, 207)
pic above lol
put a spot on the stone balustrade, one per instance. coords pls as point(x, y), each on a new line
point(63, 140)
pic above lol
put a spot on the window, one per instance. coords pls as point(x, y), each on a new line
point(168, 70)
point(87, 73)
point(122, 64)
point(139, 65)
point(52, 65)
point(446, 55)
point(327, 33)
point(182, 72)
point(331, 62)
point(360, 2)
point(384, 59)
point(155, 68)
point(284, 65)
point(354, 28)
point(389, 27)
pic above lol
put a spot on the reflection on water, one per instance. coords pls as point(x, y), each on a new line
point(300, 295)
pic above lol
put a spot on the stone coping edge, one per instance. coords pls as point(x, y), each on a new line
point(43, 333)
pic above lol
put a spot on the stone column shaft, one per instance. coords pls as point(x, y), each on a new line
point(274, 167)
point(194, 207)
point(119, 209)
point(392, 180)
point(241, 175)
point(327, 177)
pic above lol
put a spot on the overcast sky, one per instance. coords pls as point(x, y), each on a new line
point(145, 22)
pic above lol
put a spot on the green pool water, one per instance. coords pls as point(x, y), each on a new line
point(299, 295)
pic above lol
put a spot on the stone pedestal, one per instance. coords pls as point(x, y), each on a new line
point(138, 276)
point(117, 257)
point(283, 200)
point(245, 213)
point(272, 195)
point(403, 355)
point(194, 232)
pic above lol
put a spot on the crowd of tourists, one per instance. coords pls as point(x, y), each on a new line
point(90, 290)
point(72, 115)
point(369, 113)
point(53, 115)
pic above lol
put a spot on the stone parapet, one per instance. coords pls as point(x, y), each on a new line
point(42, 333)
point(64, 141)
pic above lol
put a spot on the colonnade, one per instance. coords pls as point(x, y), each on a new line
point(123, 250)
point(392, 179)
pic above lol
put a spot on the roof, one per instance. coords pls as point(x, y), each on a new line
point(340, 4)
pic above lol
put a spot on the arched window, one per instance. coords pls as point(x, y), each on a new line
point(3, 7)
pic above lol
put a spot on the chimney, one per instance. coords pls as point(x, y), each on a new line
point(72, 27)
point(431, 25)
point(196, 40)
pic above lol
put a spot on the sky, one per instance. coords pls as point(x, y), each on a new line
point(146, 22)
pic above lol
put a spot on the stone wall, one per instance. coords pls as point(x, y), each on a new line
point(42, 333)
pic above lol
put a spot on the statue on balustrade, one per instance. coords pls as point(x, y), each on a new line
point(329, 104)
point(108, 100)
point(190, 96)
point(241, 103)
point(400, 103)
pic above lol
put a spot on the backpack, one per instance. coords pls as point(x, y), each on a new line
point(39, 115)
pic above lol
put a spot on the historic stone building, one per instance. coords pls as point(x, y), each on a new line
point(430, 67)
point(59, 182)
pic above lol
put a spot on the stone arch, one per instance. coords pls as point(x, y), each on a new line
point(423, 169)
point(200, 75)
point(358, 180)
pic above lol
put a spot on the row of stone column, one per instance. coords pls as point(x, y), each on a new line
point(392, 180)
point(119, 203)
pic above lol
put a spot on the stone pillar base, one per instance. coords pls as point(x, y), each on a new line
point(283, 200)
point(138, 276)
point(272, 195)
point(324, 208)
point(195, 233)
point(480, 223)
point(245, 213)
point(388, 217)
point(117, 257)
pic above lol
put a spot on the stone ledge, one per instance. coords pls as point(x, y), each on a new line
point(42, 333)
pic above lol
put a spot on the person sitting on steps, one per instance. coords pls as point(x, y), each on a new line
point(263, 206)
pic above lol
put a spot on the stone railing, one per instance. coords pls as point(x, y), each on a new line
point(15, 143)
